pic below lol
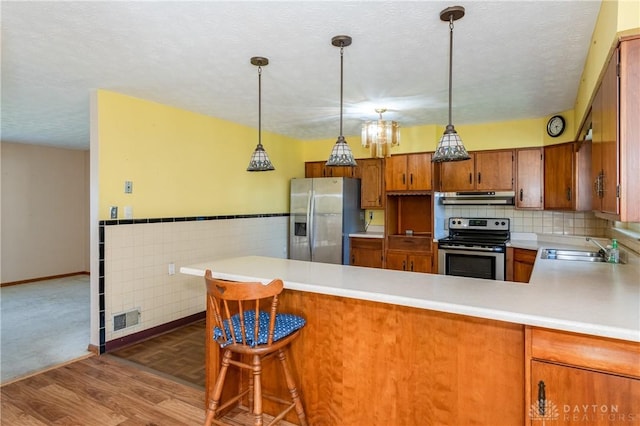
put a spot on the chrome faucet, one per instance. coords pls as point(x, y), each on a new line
point(603, 251)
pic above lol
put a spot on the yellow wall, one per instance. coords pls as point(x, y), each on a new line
point(617, 18)
point(185, 164)
point(476, 137)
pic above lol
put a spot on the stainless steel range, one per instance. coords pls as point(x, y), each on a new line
point(475, 247)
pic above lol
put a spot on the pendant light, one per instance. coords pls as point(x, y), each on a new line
point(379, 136)
point(341, 154)
point(450, 147)
point(259, 159)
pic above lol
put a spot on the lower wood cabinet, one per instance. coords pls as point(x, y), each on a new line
point(367, 252)
point(522, 264)
point(402, 261)
point(578, 379)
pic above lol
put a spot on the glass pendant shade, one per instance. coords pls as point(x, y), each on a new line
point(450, 147)
point(259, 159)
point(379, 136)
point(341, 154)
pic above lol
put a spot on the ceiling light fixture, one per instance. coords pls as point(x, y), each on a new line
point(379, 136)
point(341, 154)
point(259, 159)
point(450, 147)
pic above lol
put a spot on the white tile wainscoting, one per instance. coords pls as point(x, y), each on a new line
point(137, 257)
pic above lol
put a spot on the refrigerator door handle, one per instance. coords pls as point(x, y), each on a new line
point(310, 206)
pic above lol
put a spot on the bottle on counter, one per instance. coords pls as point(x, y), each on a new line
point(614, 252)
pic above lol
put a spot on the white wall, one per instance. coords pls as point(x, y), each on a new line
point(45, 205)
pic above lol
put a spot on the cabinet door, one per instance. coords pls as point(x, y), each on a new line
point(609, 141)
point(558, 176)
point(419, 171)
point(395, 173)
point(578, 396)
point(494, 170)
point(419, 263)
point(314, 169)
point(523, 261)
point(458, 175)
point(396, 261)
point(366, 252)
point(370, 173)
point(529, 169)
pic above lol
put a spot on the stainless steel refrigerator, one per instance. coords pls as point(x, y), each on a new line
point(324, 211)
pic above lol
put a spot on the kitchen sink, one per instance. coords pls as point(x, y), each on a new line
point(579, 255)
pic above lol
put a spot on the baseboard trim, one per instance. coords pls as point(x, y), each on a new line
point(51, 277)
point(120, 343)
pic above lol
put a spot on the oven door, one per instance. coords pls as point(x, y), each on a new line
point(471, 263)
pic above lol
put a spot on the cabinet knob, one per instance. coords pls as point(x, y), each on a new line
point(568, 194)
point(404, 179)
point(479, 177)
point(521, 194)
point(470, 178)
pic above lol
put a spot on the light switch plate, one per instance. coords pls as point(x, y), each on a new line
point(128, 187)
point(113, 212)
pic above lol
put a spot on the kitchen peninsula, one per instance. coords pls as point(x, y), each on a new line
point(403, 347)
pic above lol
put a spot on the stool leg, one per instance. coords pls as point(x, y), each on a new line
point(217, 389)
point(293, 390)
point(256, 372)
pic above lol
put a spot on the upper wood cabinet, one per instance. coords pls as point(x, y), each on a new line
point(371, 173)
point(529, 178)
point(567, 177)
point(616, 136)
point(408, 172)
point(485, 171)
point(314, 169)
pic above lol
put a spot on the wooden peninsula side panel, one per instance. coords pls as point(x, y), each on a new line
point(361, 362)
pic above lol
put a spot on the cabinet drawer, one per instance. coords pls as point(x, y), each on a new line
point(408, 243)
point(367, 243)
point(596, 353)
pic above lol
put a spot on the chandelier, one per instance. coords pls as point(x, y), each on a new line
point(380, 135)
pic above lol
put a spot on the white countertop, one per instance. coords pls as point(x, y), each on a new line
point(592, 298)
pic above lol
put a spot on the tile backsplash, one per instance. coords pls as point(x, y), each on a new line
point(536, 221)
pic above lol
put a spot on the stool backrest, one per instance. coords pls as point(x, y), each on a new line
point(243, 300)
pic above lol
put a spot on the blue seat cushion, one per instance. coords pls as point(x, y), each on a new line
point(285, 325)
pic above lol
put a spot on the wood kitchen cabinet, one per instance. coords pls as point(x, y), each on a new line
point(520, 264)
point(408, 172)
point(367, 252)
point(485, 171)
point(616, 136)
point(529, 178)
point(371, 173)
point(409, 232)
point(567, 177)
point(573, 378)
point(314, 169)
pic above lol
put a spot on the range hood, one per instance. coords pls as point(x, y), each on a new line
point(504, 198)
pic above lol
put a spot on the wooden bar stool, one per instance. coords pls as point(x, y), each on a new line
point(232, 308)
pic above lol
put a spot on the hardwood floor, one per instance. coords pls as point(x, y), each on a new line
point(179, 353)
point(154, 383)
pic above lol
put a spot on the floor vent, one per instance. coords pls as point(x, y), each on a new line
point(126, 319)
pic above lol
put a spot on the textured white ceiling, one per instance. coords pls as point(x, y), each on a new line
point(512, 60)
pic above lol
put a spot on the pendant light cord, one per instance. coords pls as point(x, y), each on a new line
point(341, 83)
point(259, 106)
point(450, 62)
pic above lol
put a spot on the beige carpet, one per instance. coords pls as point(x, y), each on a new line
point(43, 324)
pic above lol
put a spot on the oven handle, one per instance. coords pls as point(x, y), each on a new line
point(447, 246)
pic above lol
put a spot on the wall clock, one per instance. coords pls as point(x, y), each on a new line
point(555, 126)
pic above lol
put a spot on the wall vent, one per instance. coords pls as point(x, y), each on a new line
point(126, 319)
